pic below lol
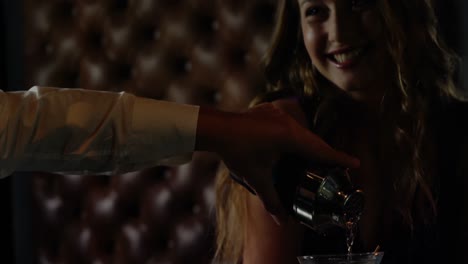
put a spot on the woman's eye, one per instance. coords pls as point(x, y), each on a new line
point(314, 12)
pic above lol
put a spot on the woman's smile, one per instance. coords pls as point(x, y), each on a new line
point(346, 57)
point(345, 44)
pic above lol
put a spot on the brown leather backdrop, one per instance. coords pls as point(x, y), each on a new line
point(191, 51)
point(201, 52)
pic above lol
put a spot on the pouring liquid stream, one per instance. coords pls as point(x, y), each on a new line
point(350, 226)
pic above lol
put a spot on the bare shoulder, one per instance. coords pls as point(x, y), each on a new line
point(265, 241)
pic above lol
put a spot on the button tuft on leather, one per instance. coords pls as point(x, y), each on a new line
point(191, 51)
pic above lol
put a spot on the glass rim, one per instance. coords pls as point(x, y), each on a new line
point(379, 253)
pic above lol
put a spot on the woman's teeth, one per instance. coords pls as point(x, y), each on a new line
point(347, 56)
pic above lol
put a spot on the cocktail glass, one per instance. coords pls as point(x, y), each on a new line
point(357, 258)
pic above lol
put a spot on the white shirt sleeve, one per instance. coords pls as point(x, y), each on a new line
point(75, 130)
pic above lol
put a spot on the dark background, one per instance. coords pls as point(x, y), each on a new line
point(10, 79)
point(452, 27)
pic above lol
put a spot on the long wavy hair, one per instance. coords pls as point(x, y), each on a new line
point(423, 69)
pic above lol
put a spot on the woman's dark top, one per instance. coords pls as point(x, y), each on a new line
point(441, 242)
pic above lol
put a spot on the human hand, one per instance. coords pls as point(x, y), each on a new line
point(250, 143)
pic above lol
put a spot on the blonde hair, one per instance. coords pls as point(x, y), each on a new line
point(424, 69)
point(231, 211)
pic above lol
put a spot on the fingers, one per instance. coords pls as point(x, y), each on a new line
point(310, 145)
point(316, 150)
point(347, 160)
point(262, 106)
point(265, 108)
point(334, 157)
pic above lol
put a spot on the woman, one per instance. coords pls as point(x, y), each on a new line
point(373, 78)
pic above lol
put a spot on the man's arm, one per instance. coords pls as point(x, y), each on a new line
point(66, 130)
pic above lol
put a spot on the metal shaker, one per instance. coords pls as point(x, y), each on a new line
point(319, 198)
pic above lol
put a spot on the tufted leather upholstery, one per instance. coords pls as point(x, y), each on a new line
point(201, 52)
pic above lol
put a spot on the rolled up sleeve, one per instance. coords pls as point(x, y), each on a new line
point(75, 130)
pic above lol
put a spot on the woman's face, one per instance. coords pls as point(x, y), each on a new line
point(345, 41)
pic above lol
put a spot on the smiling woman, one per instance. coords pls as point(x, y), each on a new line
point(345, 39)
point(374, 79)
